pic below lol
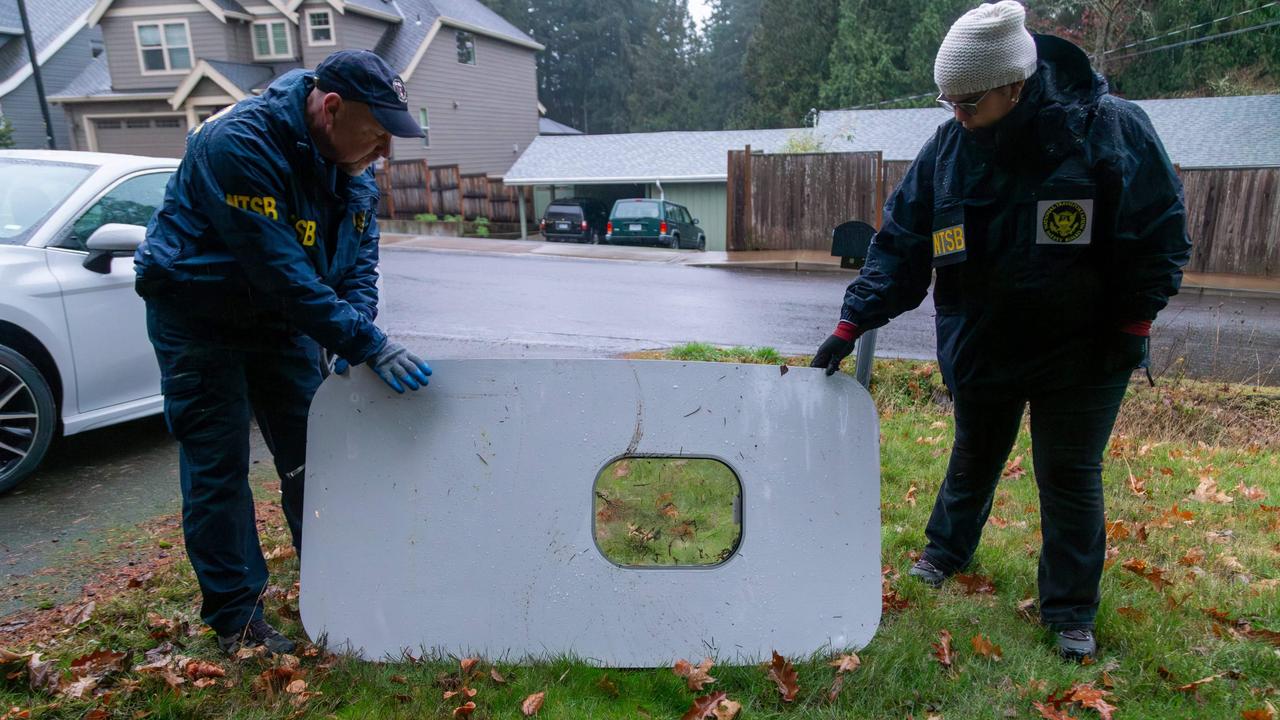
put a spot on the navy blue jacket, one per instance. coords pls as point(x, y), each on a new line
point(256, 218)
point(1047, 232)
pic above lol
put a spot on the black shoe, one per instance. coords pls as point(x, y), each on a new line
point(1077, 644)
point(928, 573)
point(257, 633)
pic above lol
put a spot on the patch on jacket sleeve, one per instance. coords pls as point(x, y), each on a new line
point(948, 245)
point(1064, 222)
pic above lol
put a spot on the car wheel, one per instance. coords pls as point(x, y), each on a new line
point(595, 237)
point(702, 243)
point(675, 242)
point(27, 417)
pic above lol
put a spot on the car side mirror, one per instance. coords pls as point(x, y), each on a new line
point(110, 240)
point(850, 242)
point(695, 221)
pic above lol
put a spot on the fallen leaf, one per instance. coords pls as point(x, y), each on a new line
point(465, 710)
point(203, 683)
point(197, 669)
point(975, 584)
point(1118, 530)
point(1263, 713)
point(497, 676)
point(694, 676)
point(1137, 485)
point(1091, 697)
point(910, 497)
point(399, 679)
point(1207, 492)
point(1027, 609)
point(1048, 712)
point(727, 710)
point(1132, 613)
point(43, 674)
point(704, 706)
point(1251, 493)
point(846, 663)
point(836, 686)
point(1153, 575)
point(1193, 557)
point(77, 689)
point(79, 614)
point(984, 647)
point(98, 663)
point(468, 664)
point(1013, 469)
point(467, 692)
point(942, 650)
point(533, 703)
point(608, 686)
point(281, 553)
point(784, 675)
point(296, 687)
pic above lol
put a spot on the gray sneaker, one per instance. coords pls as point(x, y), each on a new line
point(257, 633)
point(928, 573)
point(1077, 644)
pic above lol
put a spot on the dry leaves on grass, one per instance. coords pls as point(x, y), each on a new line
point(784, 675)
point(1268, 712)
point(846, 663)
point(1085, 695)
point(910, 497)
point(695, 676)
point(1137, 485)
point(975, 584)
point(704, 706)
point(1207, 492)
point(533, 704)
point(1154, 575)
point(942, 650)
point(727, 710)
point(466, 709)
point(985, 648)
point(1254, 492)
point(1192, 687)
point(1013, 469)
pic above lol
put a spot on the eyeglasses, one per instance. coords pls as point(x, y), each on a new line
point(968, 108)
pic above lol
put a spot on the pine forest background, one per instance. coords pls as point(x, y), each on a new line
point(643, 65)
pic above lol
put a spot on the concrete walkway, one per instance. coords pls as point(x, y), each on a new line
point(808, 260)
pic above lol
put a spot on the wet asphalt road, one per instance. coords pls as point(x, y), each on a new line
point(452, 305)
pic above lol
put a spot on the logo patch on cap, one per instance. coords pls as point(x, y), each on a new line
point(398, 86)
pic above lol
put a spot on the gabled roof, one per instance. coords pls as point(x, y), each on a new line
point(1213, 132)
point(547, 126)
point(53, 24)
point(642, 157)
point(221, 9)
point(10, 21)
point(238, 79)
point(404, 45)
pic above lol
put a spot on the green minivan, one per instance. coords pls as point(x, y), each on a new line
point(644, 221)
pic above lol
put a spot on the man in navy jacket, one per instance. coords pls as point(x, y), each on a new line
point(266, 246)
point(1055, 224)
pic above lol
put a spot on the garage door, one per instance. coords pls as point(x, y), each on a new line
point(158, 136)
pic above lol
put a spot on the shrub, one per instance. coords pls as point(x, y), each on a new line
point(452, 218)
point(426, 217)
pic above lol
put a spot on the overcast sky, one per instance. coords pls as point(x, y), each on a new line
point(699, 9)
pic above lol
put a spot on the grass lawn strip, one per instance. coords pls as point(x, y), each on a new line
point(1189, 626)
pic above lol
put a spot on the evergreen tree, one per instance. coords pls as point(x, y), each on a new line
point(662, 93)
point(6, 133)
point(787, 61)
point(719, 68)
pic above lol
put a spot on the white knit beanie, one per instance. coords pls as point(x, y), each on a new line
point(988, 47)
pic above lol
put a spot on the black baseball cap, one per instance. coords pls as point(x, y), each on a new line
point(364, 77)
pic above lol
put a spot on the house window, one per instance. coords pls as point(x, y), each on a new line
point(164, 47)
point(137, 123)
point(271, 40)
point(320, 28)
point(466, 48)
point(426, 127)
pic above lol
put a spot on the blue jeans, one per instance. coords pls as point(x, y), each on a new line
point(215, 372)
point(1069, 431)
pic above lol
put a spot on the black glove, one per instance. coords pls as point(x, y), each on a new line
point(1124, 351)
point(836, 348)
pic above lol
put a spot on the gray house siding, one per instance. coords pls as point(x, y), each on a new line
point(22, 107)
point(481, 116)
point(352, 32)
point(239, 41)
point(209, 37)
point(207, 88)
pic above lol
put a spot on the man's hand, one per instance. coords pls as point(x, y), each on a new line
point(341, 366)
point(836, 348)
point(399, 368)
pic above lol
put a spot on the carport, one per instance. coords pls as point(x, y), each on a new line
point(688, 168)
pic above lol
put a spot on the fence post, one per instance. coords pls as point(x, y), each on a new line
point(747, 221)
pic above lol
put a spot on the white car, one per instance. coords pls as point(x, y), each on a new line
point(74, 352)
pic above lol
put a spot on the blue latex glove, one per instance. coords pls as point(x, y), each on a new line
point(341, 366)
point(400, 368)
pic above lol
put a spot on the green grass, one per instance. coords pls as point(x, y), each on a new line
point(1153, 641)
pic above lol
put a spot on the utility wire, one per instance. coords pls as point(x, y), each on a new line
point(1136, 43)
point(1206, 38)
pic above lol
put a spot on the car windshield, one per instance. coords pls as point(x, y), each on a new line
point(30, 190)
point(632, 209)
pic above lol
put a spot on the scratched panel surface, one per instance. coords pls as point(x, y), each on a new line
point(460, 519)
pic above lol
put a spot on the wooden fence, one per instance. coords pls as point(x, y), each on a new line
point(410, 187)
point(1233, 218)
point(792, 201)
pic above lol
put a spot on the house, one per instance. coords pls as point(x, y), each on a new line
point(470, 75)
point(691, 168)
point(64, 46)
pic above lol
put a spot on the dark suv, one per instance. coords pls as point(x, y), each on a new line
point(654, 222)
point(575, 220)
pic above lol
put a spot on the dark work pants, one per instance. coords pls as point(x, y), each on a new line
point(214, 373)
point(1069, 431)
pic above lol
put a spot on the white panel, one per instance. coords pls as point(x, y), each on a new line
point(460, 518)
